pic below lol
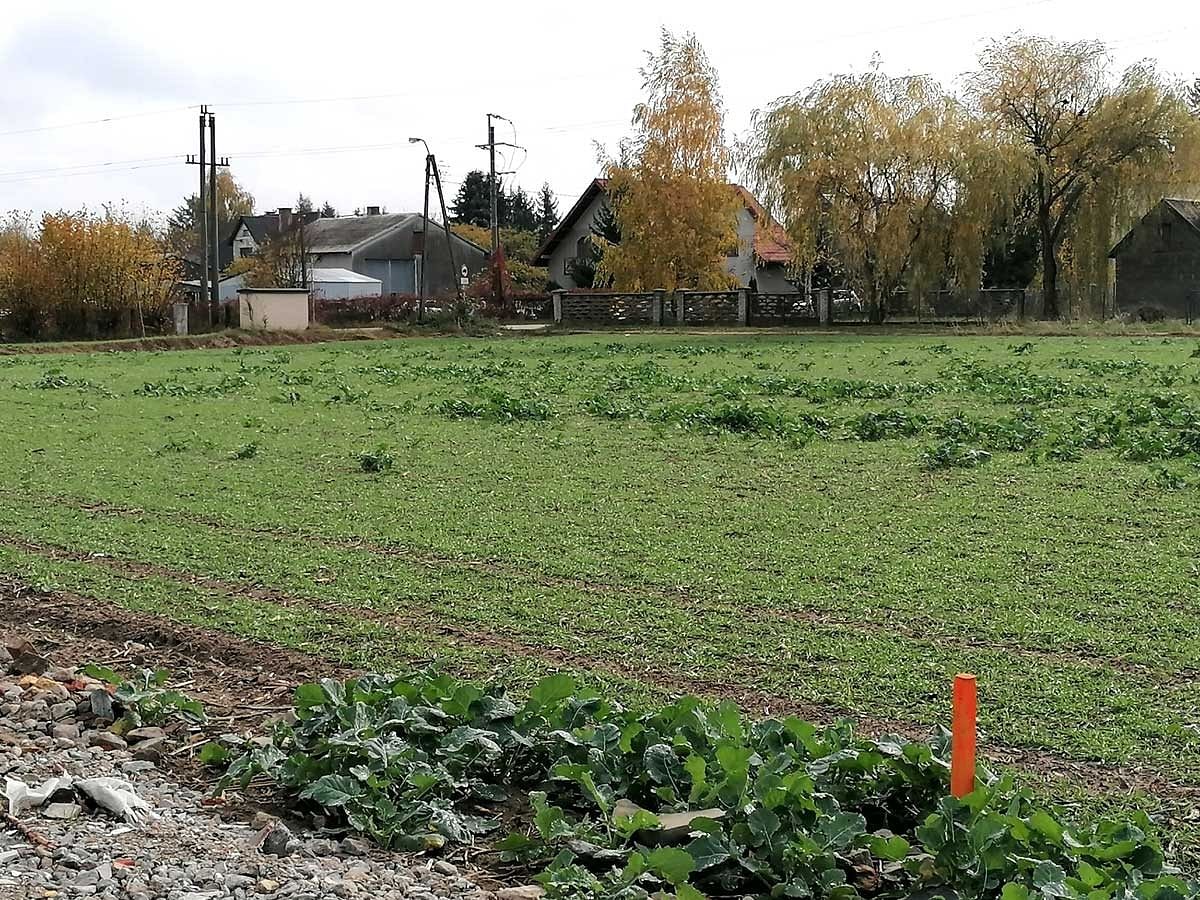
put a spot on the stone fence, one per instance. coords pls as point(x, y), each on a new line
point(746, 307)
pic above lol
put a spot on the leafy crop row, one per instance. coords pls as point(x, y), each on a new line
point(784, 808)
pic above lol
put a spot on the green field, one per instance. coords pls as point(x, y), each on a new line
point(835, 524)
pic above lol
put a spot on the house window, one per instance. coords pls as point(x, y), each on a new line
point(1164, 234)
point(243, 252)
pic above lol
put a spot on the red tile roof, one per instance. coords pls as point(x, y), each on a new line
point(771, 242)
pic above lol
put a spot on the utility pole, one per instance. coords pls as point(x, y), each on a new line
point(204, 223)
point(495, 186)
point(207, 220)
point(490, 146)
point(445, 227)
point(424, 242)
point(215, 239)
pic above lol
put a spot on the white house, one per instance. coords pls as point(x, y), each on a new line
point(761, 260)
point(251, 232)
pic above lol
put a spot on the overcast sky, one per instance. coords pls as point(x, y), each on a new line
point(355, 80)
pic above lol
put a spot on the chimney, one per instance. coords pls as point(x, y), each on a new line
point(372, 210)
point(285, 218)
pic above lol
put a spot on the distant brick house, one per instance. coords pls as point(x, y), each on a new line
point(1158, 262)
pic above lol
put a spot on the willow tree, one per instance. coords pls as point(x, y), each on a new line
point(1091, 143)
point(669, 186)
point(888, 178)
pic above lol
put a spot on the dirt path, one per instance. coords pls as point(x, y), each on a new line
point(222, 340)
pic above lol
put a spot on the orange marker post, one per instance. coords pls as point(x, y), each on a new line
point(962, 742)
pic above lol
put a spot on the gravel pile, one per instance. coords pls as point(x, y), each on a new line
point(59, 843)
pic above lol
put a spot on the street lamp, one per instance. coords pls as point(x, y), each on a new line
point(431, 168)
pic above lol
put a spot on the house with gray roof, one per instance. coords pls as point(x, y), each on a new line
point(393, 248)
point(251, 232)
point(1158, 261)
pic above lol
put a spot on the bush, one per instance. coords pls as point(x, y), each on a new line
point(368, 310)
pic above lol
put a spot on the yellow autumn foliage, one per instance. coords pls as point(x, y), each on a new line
point(83, 271)
point(889, 179)
point(669, 187)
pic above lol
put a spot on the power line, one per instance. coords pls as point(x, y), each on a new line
point(105, 171)
point(119, 162)
point(102, 121)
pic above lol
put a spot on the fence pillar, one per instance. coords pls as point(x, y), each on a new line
point(825, 306)
point(743, 307)
point(656, 306)
point(680, 300)
point(556, 298)
point(180, 309)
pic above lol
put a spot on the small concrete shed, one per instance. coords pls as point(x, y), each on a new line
point(273, 309)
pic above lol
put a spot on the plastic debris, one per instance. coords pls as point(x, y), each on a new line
point(117, 798)
point(22, 797)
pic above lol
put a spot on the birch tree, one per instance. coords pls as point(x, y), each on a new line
point(669, 188)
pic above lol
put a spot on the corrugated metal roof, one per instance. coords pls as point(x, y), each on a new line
point(341, 276)
point(345, 233)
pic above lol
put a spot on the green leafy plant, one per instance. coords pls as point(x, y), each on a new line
point(145, 697)
point(953, 455)
point(375, 461)
point(891, 423)
point(791, 809)
point(497, 406)
point(246, 451)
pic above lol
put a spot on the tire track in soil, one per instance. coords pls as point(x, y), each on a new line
point(920, 629)
point(1100, 778)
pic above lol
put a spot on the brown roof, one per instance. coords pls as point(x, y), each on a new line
point(771, 243)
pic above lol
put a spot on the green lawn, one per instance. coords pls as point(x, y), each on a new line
point(785, 519)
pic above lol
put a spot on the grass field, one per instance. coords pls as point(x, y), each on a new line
point(834, 524)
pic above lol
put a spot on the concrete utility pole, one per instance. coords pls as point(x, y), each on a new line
point(425, 231)
point(490, 147)
point(494, 184)
point(206, 220)
point(437, 178)
point(215, 239)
